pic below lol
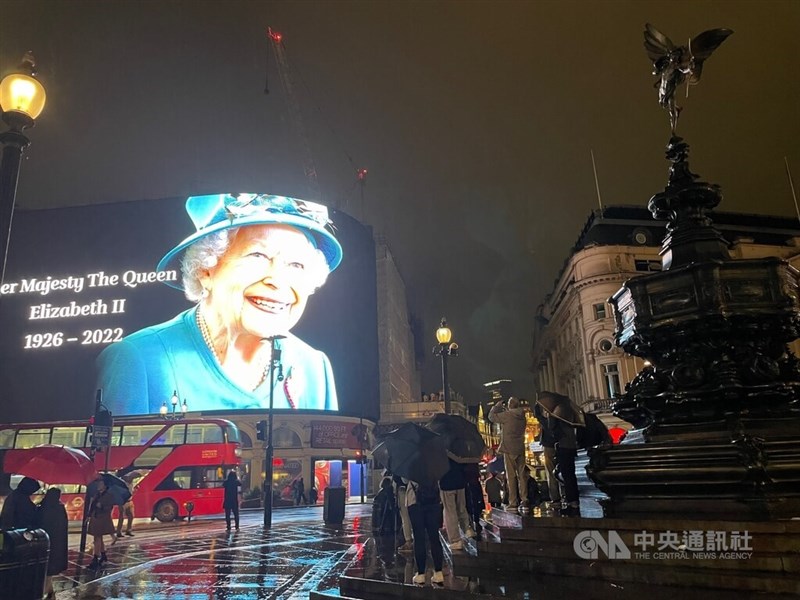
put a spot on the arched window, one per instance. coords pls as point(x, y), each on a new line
point(283, 437)
point(247, 441)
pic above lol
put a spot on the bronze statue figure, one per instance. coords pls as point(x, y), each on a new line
point(673, 63)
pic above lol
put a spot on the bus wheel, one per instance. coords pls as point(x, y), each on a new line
point(166, 511)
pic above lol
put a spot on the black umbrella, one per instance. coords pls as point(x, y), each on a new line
point(118, 489)
point(415, 453)
point(561, 407)
point(461, 437)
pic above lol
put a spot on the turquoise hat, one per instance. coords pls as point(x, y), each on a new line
point(217, 212)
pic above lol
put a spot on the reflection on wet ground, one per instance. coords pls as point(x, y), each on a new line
point(202, 561)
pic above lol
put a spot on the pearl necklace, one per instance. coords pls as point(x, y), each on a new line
point(204, 331)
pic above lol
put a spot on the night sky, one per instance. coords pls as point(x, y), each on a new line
point(475, 120)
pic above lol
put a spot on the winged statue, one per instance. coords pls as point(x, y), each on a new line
point(674, 64)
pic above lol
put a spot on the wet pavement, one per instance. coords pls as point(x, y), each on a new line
point(202, 561)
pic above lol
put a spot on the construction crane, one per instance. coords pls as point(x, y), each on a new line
point(295, 114)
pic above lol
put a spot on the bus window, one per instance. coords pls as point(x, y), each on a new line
point(137, 435)
point(213, 477)
point(7, 438)
point(179, 479)
point(74, 437)
point(28, 438)
point(232, 433)
point(152, 456)
point(116, 435)
point(174, 436)
point(204, 433)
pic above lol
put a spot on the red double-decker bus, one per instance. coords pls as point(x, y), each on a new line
point(169, 463)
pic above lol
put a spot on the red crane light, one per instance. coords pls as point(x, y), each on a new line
point(362, 174)
point(274, 35)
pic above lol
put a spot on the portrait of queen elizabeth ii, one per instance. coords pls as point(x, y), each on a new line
point(249, 269)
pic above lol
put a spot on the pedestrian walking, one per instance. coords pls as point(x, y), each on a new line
point(100, 522)
point(19, 511)
point(426, 514)
point(313, 495)
point(52, 517)
point(512, 420)
point(126, 512)
point(232, 489)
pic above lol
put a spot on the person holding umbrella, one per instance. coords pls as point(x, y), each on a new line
point(561, 421)
point(100, 522)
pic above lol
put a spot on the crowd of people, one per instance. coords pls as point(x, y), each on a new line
point(465, 494)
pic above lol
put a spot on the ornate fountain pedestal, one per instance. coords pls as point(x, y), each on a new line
point(719, 407)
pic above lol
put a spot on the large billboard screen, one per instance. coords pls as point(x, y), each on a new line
point(224, 302)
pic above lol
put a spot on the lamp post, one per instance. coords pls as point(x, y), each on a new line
point(22, 99)
point(445, 349)
point(274, 363)
point(174, 415)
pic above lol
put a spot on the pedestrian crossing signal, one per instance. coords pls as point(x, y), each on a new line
point(261, 431)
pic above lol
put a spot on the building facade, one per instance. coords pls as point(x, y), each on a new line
point(573, 350)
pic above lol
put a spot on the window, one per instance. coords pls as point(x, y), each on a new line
point(203, 433)
point(7, 438)
point(283, 437)
point(600, 311)
point(174, 436)
point(611, 376)
point(69, 436)
point(138, 435)
point(28, 438)
point(605, 345)
point(647, 265)
point(185, 478)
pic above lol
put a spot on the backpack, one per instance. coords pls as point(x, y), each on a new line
point(427, 494)
point(593, 433)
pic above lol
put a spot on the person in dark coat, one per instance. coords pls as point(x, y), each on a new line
point(53, 519)
point(230, 503)
point(548, 442)
point(299, 492)
point(100, 522)
point(494, 491)
point(313, 495)
point(474, 496)
point(19, 512)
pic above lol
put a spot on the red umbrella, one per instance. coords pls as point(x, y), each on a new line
point(51, 464)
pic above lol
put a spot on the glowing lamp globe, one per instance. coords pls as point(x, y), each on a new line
point(443, 334)
point(22, 93)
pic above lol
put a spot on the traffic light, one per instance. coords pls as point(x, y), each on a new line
point(261, 431)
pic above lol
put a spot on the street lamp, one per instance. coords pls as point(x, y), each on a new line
point(21, 100)
point(445, 349)
point(274, 363)
point(175, 415)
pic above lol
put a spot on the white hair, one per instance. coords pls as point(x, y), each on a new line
point(206, 252)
